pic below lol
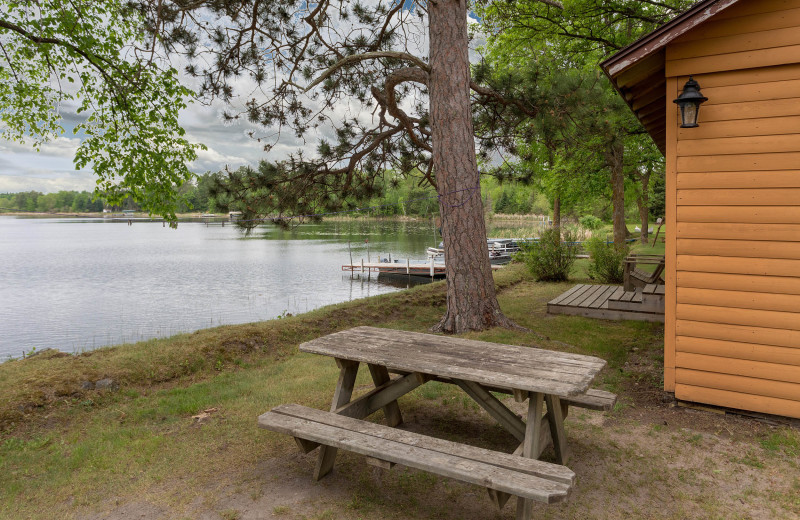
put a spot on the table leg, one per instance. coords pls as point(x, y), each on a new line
point(530, 446)
point(380, 376)
point(344, 391)
point(555, 415)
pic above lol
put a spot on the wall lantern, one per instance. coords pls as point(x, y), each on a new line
point(689, 103)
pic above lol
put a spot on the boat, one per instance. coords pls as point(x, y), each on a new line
point(500, 250)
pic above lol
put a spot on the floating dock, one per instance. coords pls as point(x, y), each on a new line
point(429, 270)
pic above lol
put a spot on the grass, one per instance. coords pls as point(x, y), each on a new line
point(65, 450)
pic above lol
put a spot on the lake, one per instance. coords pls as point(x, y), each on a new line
point(78, 284)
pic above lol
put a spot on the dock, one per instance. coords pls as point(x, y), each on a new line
point(420, 269)
point(611, 302)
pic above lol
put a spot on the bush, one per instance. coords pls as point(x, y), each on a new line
point(607, 264)
point(550, 259)
point(590, 222)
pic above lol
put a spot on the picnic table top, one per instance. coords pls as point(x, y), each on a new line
point(490, 364)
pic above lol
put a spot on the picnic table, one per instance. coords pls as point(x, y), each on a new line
point(555, 380)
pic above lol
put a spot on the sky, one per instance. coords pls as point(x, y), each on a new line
point(51, 169)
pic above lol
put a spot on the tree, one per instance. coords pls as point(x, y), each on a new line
point(358, 72)
point(59, 55)
point(582, 33)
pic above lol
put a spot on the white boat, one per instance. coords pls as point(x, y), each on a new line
point(500, 250)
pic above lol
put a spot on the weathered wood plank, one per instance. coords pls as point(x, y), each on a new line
point(603, 297)
point(617, 294)
point(593, 399)
point(378, 398)
point(348, 370)
point(556, 419)
point(420, 359)
point(579, 295)
point(565, 295)
point(503, 460)
point(379, 463)
point(494, 407)
point(380, 376)
point(607, 314)
point(305, 446)
point(531, 446)
point(589, 296)
point(412, 455)
point(435, 352)
point(498, 498)
point(486, 363)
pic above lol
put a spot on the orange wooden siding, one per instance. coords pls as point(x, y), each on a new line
point(733, 287)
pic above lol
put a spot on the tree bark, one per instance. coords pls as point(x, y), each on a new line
point(643, 201)
point(614, 158)
point(471, 298)
point(557, 212)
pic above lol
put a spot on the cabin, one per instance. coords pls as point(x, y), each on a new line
point(732, 315)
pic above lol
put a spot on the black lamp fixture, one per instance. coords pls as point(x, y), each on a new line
point(689, 103)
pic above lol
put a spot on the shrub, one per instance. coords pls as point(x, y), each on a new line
point(550, 259)
point(590, 222)
point(607, 264)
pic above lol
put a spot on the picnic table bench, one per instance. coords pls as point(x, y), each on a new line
point(555, 379)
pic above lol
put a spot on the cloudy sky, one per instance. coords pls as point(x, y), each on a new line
point(51, 168)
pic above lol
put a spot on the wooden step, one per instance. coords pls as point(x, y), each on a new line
point(593, 399)
point(519, 476)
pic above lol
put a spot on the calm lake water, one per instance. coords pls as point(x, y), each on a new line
point(78, 284)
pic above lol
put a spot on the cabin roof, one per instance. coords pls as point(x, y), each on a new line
point(637, 71)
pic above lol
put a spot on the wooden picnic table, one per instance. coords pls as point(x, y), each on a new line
point(542, 377)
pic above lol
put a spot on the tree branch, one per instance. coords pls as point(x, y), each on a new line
point(349, 60)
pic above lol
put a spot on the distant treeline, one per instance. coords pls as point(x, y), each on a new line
point(196, 194)
point(405, 197)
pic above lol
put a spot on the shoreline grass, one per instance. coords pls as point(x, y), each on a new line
point(179, 435)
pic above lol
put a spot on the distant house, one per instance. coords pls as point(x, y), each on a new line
point(732, 322)
point(128, 212)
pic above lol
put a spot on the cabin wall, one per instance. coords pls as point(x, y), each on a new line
point(733, 186)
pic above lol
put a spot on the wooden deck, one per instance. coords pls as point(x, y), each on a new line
point(611, 302)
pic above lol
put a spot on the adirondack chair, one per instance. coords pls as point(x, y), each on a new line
point(637, 278)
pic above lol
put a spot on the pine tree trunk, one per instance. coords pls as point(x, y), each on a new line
point(644, 210)
point(557, 212)
point(471, 299)
point(614, 159)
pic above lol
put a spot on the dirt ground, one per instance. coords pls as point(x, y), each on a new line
point(649, 459)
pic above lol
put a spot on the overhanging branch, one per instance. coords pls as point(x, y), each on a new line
point(349, 60)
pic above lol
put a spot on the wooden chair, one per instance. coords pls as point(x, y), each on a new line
point(637, 278)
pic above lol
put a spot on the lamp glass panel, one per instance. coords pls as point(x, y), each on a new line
point(689, 114)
